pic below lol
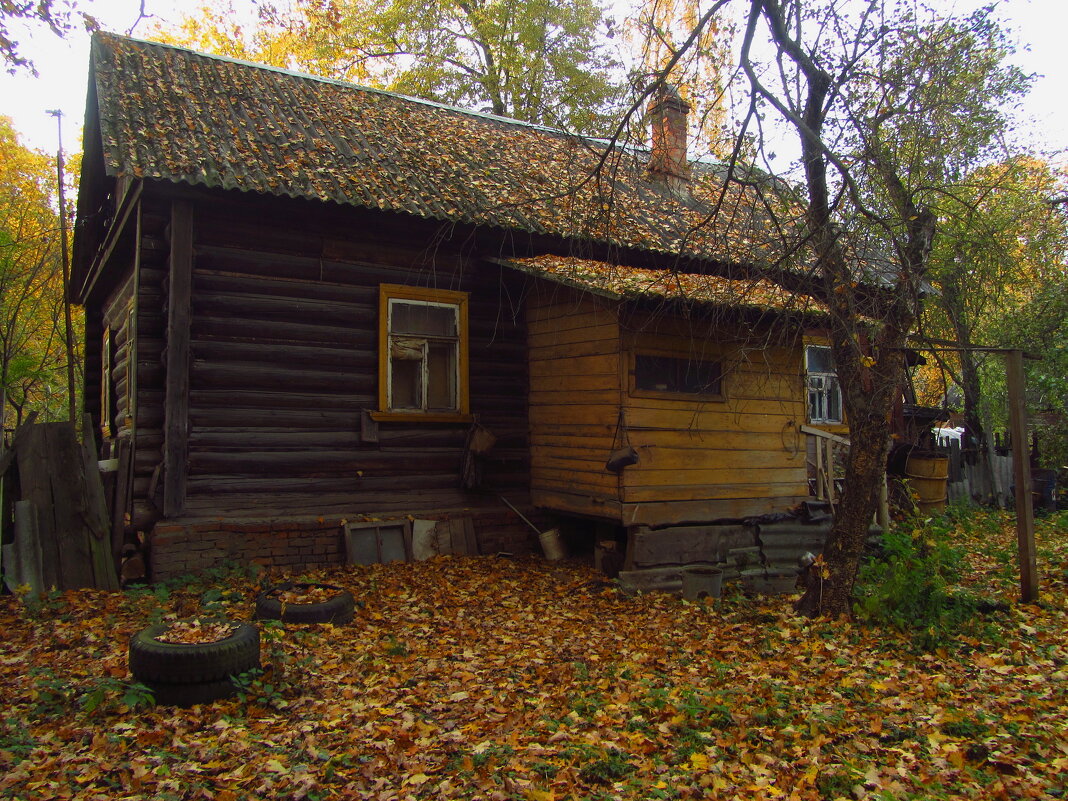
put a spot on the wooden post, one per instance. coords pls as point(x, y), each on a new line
point(1025, 520)
point(176, 398)
point(883, 514)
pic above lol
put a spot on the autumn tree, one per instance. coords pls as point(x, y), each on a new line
point(539, 61)
point(997, 265)
point(59, 16)
point(671, 43)
point(32, 354)
point(888, 107)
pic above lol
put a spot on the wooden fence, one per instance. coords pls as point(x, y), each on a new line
point(978, 482)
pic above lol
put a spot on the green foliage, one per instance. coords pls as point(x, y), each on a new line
point(609, 766)
point(32, 356)
point(109, 695)
point(54, 695)
point(16, 740)
point(910, 587)
point(59, 17)
point(834, 784)
point(288, 661)
point(50, 693)
point(39, 606)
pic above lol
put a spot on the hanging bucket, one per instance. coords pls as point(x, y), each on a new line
point(928, 475)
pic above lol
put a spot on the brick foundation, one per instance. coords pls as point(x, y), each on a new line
point(177, 549)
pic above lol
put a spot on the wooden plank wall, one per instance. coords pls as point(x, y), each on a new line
point(284, 360)
point(713, 459)
point(574, 400)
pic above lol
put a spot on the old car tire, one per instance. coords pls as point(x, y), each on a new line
point(193, 663)
point(204, 692)
point(337, 609)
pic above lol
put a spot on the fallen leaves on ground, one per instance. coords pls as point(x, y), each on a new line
point(493, 678)
point(189, 632)
point(304, 594)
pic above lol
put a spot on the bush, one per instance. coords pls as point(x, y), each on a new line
point(910, 587)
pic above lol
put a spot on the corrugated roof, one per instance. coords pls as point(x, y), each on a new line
point(621, 282)
point(171, 114)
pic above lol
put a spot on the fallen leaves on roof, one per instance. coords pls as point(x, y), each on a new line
point(170, 114)
point(622, 281)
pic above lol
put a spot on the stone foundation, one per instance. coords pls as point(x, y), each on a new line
point(181, 548)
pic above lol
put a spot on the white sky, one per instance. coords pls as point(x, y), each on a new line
point(62, 64)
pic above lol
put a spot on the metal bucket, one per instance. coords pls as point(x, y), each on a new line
point(702, 582)
point(552, 544)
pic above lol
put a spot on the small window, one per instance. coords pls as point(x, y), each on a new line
point(423, 354)
point(677, 375)
point(824, 393)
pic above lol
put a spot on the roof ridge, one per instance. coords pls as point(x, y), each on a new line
point(355, 86)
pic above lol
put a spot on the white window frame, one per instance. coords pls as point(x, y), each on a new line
point(820, 387)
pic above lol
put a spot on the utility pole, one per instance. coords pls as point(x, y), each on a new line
point(72, 401)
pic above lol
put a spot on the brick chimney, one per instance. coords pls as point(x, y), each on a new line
point(667, 160)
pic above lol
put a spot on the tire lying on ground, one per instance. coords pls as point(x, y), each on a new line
point(336, 609)
point(204, 692)
point(193, 673)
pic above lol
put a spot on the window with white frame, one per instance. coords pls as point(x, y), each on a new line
point(824, 393)
point(423, 351)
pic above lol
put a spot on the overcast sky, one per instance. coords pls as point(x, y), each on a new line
point(62, 64)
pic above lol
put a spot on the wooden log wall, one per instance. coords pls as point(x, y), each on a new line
point(149, 324)
point(575, 395)
point(283, 361)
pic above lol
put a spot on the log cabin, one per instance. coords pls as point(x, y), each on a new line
point(309, 304)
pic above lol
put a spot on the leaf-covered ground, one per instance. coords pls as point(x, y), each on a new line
point(499, 679)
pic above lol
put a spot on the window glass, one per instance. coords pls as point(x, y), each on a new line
point(407, 383)
point(824, 392)
point(423, 318)
point(657, 373)
point(423, 351)
point(819, 359)
point(441, 375)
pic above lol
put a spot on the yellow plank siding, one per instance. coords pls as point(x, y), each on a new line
point(727, 474)
point(586, 484)
point(580, 459)
point(769, 418)
point(587, 381)
point(578, 396)
point(657, 457)
point(606, 365)
point(742, 454)
point(665, 513)
point(566, 336)
point(583, 451)
point(540, 350)
point(689, 492)
point(572, 415)
point(554, 433)
point(574, 401)
point(727, 439)
point(546, 326)
point(577, 503)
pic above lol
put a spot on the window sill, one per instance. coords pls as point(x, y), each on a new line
point(421, 417)
point(678, 396)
